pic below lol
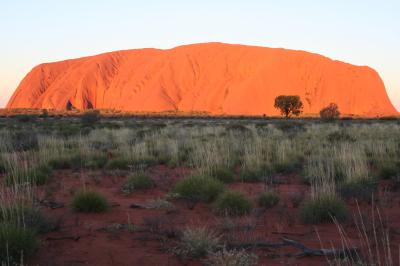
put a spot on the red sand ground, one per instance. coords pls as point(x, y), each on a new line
point(213, 77)
point(87, 243)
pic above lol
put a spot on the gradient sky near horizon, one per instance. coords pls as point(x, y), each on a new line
point(361, 32)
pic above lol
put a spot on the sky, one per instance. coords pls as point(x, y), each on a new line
point(361, 32)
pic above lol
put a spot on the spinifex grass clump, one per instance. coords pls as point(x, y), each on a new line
point(232, 203)
point(324, 205)
point(27, 216)
point(323, 209)
point(118, 163)
point(138, 181)
point(89, 201)
point(223, 174)
point(268, 199)
point(362, 190)
point(197, 243)
point(17, 243)
point(199, 188)
point(36, 175)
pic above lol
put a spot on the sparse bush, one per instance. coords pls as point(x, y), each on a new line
point(226, 257)
point(330, 112)
point(224, 175)
point(89, 201)
point(90, 117)
point(251, 175)
point(197, 243)
point(28, 217)
point(118, 164)
point(323, 209)
point(362, 190)
point(268, 199)
point(387, 169)
point(38, 176)
point(138, 181)
point(16, 243)
point(95, 161)
point(232, 203)
point(199, 188)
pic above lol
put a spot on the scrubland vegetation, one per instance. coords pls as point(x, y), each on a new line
point(256, 174)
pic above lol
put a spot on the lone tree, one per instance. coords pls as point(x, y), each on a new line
point(330, 112)
point(289, 105)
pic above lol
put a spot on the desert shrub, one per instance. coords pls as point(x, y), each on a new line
point(89, 201)
point(118, 164)
point(268, 199)
point(232, 203)
point(330, 112)
point(26, 118)
point(323, 209)
point(289, 105)
point(251, 175)
point(90, 117)
point(387, 169)
point(360, 190)
point(138, 181)
point(24, 140)
point(197, 243)
point(38, 176)
point(199, 188)
point(290, 126)
point(226, 257)
point(27, 216)
point(287, 167)
point(224, 175)
point(95, 161)
point(16, 243)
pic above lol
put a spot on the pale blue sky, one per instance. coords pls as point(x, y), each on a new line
point(362, 32)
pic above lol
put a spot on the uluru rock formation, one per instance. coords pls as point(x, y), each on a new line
point(212, 77)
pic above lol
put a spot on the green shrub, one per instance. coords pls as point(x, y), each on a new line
point(232, 203)
point(199, 188)
point(268, 199)
point(137, 182)
point(197, 243)
point(90, 117)
point(16, 243)
point(323, 210)
point(27, 216)
point(387, 169)
point(37, 176)
point(95, 161)
point(89, 201)
point(251, 175)
point(118, 164)
point(224, 175)
point(360, 190)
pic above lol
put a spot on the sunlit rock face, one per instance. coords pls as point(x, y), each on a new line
point(212, 77)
